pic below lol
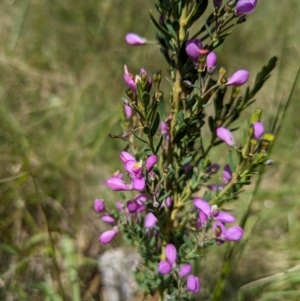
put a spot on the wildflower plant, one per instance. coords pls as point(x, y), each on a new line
point(172, 209)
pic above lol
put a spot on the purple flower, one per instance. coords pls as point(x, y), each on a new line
point(171, 253)
point(125, 156)
point(119, 206)
point(135, 171)
point(128, 111)
point(134, 40)
point(221, 234)
point(164, 267)
point(211, 62)
point(132, 206)
point(129, 79)
point(150, 220)
point(165, 130)
point(258, 128)
point(225, 135)
point(212, 168)
point(99, 205)
point(238, 78)
point(108, 219)
point(244, 7)
point(211, 212)
point(136, 205)
point(227, 174)
point(184, 270)
point(107, 236)
point(194, 49)
point(193, 284)
point(150, 162)
point(117, 184)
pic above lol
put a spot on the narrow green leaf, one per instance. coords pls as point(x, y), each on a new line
point(230, 161)
point(155, 125)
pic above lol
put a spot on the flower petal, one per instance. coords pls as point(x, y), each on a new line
point(224, 217)
point(164, 267)
point(171, 253)
point(134, 39)
point(107, 236)
point(193, 284)
point(238, 78)
point(150, 220)
point(225, 135)
point(202, 205)
point(234, 233)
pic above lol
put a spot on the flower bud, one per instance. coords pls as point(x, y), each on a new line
point(99, 205)
point(171, 253)
point(193, 284)
point(108, 219)
point(258, 128)
point(184, 270)
point(238, 78)
point(107, 236)
point(211, 62)
point(117, 184)
point(234, 233)
point(150, 162)
point(227, 174)
point(225, 135)
point(135, 40)
point(164, 267)
point(245, 7)
point(150, 220)
point(128, 111)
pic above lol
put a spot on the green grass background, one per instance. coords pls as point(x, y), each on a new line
point(61, 83)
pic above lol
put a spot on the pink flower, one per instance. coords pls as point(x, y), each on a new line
point(150, 162)
point(171, 253)
point(125, 156)
point(238, 78)
point(99, 205)
point(194, 49)
point(193, 284)
point(108, 219)
point(134, 39)
point(227, 174)
point(131, 81)
point(258, 128)
point(164, 267)
point(150, 220)
point(211, 62)
point(117, 184)
point(221, 234)
point(128, 111)
point(225, 135)
point(107, 236)
point(244, 7)
point(165, 130)
point(211, 212)
point(184, 270)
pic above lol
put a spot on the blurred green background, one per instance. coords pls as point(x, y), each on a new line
point(61, 83)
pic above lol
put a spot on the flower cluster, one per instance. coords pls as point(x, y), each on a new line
point(183, 272)
point(161, 214)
